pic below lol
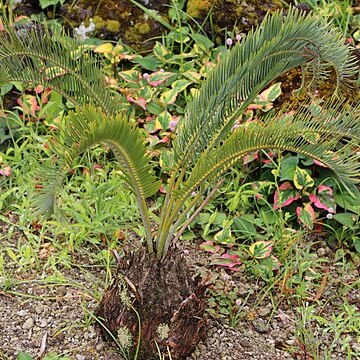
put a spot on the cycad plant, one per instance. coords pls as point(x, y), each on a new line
point(206, 146)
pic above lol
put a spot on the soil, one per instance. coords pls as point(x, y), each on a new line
point(39, 315)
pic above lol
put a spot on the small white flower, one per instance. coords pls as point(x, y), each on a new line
point(146, 76)
point(331, 210)
point(229, 41)
point(81, 31)
point(329, 216)
point(238, 37)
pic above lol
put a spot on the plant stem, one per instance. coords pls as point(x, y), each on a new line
point(197, 211)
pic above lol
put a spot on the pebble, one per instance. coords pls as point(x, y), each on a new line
point(28, 324)
point(243, 289)
point(39, 309)
point(22, 312)
point(264, 311)
point(44, 323)
point(261, 326)
point(80, 357)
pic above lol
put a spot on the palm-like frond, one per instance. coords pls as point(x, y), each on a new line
point(36, 55)
point(87, 127)
point(317, 137)
point(279, 44)
point(330, 136)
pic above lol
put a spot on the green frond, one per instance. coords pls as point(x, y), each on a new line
point(295, 134)
point(278, 45)
point(36, 55)
point(87, 127)
point(50, 180)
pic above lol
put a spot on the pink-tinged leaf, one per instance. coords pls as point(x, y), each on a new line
point(39, 89)
point(320, 163)
point(21, 17)
point(1, 25)
point(140, 101)
point(130, 76)
point(165, 139)
point(29, 104)
point(285, 195)
point(98, 167)
point(127, 56)
point(5, 171)
point(210, 247)
point(306, 215)
point(228, 261)
point(45, 95)
point(254, 107)
point(324, 199)
point(276, 263)
point(323, 189)
point(261, 249)
point(250, 157)
point(158, 77)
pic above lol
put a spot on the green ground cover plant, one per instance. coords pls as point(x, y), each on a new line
point(96, 123)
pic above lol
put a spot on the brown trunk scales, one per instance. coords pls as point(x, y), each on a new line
point(170, 304)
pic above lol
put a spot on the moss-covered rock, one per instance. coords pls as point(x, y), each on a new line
point(118, 19)
point(230, 15)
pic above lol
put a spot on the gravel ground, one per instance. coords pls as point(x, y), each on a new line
point(54, 322)
point(39, 318)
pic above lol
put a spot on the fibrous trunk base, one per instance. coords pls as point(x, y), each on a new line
point(169, 302)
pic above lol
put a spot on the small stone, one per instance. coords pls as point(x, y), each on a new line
point(22, 312)
point(39, 309)
point(80, 357)
point(44, 323)
point(291, 342)
point(261, 326)
point(99, 347)
point(28, 324)
point(245, 343)
point(243, 290)
point(264, 311)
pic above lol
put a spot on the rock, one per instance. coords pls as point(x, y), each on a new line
point(264, 311)
point(244, 289)
point(44, 323)
point(245, 343)
point(39, 309)
point(261, 326)
point(22, 312)
point(80, 357)
point(28, 324)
